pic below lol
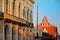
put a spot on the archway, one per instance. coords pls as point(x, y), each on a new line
point(7, 32)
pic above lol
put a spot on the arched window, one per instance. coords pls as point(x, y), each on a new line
point(27, 14)
point(19, 10)
point(13, 7)
point(24, 13)
point(6, 6)
point(31, 16)
point(7, 32)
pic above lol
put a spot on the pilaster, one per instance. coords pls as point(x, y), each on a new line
point(2, 5)
point(10, 25)
point(1, 29)
point(17, 32)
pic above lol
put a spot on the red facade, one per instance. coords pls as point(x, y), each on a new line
point(47, 27)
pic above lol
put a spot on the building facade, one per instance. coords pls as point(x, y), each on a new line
point(47, 36)
point(39, 36)
point(16, 19)
point(47, 27)
point(58, 38)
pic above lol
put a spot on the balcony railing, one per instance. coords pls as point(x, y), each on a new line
point(15, 19)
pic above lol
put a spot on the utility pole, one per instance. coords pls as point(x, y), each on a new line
point(37, 19)
point(38, 36)
point(37, 16)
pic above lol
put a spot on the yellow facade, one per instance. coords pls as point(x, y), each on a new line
point(16, 19)
point(18, 8)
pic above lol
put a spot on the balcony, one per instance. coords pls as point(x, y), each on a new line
point(14, 18)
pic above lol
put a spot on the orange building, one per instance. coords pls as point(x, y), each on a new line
point(47, 27)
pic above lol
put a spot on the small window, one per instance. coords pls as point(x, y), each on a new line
point(45, 24)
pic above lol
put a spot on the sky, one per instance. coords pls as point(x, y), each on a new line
point(48, 8)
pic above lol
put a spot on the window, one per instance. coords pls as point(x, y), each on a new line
point(45, 24)
point(24, 12)
point(19, 10)
point(13, 7)
point(27, 14)
point(31, 16)
point(6, 6)
point(7, 32)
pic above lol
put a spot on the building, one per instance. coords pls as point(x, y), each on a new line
point(16, 19)
point(39, 37)
point(58, 38)
point(48, 27)
point(47, 36)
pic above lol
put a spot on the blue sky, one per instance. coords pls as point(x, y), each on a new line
point(50, 9)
